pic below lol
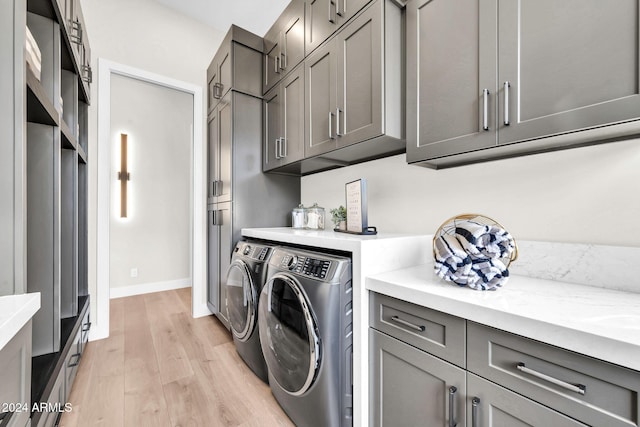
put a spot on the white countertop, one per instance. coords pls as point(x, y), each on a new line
point(598, 322)
point(15, 312)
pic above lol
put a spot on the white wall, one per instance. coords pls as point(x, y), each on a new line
point(154, 238)
point(151, 37)
point(582, 195)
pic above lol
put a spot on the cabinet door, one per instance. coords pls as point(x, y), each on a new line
point(320, 99)
point(225, 70)
point(272, 118)
point(346, 9)
point(359, 84)
point(292, 38)
point(321, 21)
point(413, 388)
point(292, 90)
point(570, 65)
point(225, 123)
point(225, 224)
point(451, 71)
point(272, 72)
point(213, 142)
point(213, 261)
point(489, 405)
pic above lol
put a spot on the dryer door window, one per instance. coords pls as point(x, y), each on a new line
point(288, 334)
point(241, 300)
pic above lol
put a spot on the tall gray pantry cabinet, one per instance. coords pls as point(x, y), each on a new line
point(497, 78)
point(239, 195)
point(43, 184)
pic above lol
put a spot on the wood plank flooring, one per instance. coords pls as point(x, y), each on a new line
point(161, 367)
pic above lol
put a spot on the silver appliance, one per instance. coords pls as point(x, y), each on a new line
point(245, 278)
point(305, 323)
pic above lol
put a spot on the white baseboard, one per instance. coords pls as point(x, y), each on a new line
point(147, 288)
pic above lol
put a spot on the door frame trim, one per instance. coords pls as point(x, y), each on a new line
point(103, 164)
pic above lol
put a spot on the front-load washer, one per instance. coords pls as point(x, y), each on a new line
point(245, 278)
point(305, 324)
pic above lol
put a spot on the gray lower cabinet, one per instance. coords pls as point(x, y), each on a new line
point(284, 121)
point(589, 390)
point(411, 388)
point(490, 405)
point(509, 380)
point(520, 72)
point(15, 378)
point(284, 44)
point(50, 409)
point(354, 84)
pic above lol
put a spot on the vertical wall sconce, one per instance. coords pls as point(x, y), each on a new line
point(123, 175)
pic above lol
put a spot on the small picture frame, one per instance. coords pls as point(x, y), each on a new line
point(356, 201)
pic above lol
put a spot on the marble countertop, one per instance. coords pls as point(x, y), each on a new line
point(601, 323)
point(15, 312)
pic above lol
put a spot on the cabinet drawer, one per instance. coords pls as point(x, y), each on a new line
point(72, 361)
point(589, 390)
point(51, 411)
point(435, 332)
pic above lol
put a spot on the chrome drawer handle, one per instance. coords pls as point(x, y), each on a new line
point(86, 327)
point(485, 109)
point(77, 362)
point(452, 412)
point(507, 85)
point(408, 324)
point(475, 403)
point(577, 388)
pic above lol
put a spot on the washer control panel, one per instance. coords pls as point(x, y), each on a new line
point(307, 266)
point(257, 252)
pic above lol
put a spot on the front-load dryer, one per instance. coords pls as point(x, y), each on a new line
point(305, 324)
point(245, 278)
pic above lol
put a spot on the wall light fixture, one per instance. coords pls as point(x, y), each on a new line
point(123, 175)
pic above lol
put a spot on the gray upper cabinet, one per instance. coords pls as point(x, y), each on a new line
point(567, 66)
point(324, 17)
point(320, 75)
point(353, 95)
point(234, 66)
point(284, 121)
point(284, 44)
point(446, 112)
point(521, 72)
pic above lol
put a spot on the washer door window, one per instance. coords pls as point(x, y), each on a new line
point(288, 334)
point(241, 300)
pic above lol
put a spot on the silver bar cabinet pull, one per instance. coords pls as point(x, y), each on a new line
point(576, 388)
point(475, 403)
point(338, 10)
point(331, 125)
point(507, 85)
point(338, 111)
point(277, 150)
point(283, 59)
point(408, 324)
point(452, 412)
point(276, 59)
point(283, 147)
point(331, 18)
point(485, 109)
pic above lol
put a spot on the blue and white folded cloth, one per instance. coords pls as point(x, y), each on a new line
point(471, 256)
point(488, 241)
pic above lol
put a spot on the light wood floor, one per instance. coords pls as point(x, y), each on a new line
point(161, 367)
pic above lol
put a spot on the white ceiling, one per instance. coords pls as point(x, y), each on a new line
point(256, 16)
